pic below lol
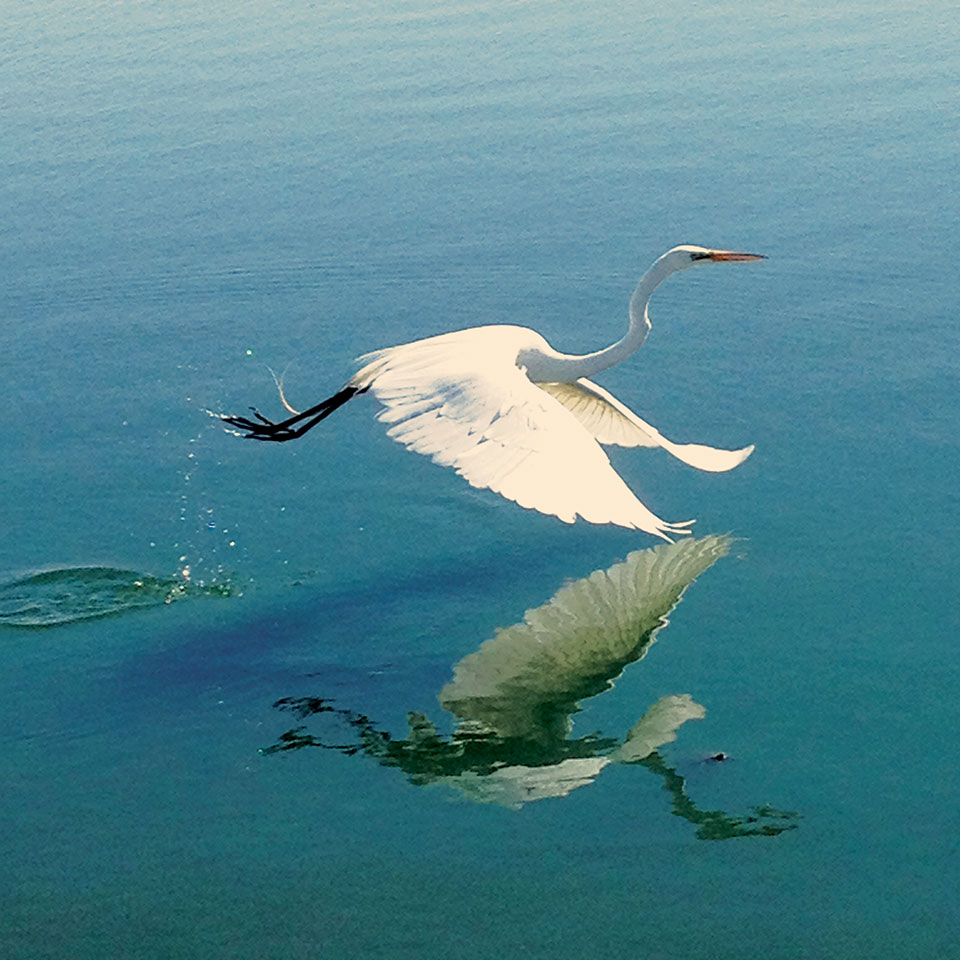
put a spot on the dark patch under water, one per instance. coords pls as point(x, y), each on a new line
point(68, 594)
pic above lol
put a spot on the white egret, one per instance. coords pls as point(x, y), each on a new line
point(511, 414)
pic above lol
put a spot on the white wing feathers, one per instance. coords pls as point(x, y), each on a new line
point(462, 400)
point(611, 422)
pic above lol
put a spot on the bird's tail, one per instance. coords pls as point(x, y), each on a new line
point(373, 365)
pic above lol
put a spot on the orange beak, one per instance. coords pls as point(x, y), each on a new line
point(726, 255)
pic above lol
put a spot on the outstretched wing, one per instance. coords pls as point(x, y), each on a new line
point(462, 400)
point(611, 422)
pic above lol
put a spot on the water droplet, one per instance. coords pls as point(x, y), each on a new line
point(211, 525)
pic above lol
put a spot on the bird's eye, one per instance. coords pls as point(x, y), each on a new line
point(700, 255)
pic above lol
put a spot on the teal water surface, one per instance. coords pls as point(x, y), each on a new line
point(399, 717)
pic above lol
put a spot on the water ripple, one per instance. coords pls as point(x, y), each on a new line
point(68, 594)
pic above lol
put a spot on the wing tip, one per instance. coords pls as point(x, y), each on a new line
point(714, 460)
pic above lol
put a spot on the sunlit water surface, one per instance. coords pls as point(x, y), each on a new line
point(263, 768)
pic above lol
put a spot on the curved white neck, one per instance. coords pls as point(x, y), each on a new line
point(558, 367)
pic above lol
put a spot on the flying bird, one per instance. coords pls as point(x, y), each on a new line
point(511, 414)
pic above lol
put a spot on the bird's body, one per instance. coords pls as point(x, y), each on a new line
point(511, 414)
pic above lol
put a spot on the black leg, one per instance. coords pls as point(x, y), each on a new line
point(264, 429)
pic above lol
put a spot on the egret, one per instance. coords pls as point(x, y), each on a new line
point(512, 415)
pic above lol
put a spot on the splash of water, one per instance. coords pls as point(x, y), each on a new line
point(68, 594)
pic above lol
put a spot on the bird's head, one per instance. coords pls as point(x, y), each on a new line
point(687, 255)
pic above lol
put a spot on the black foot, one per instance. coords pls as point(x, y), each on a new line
point(261, 428)
point(293, 427)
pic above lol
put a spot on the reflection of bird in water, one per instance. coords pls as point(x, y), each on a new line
point(511, 414)
point(514, 698)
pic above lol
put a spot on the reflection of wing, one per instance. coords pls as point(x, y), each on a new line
point(612, 422)
point(461, 400)
point(514, 786)
point(525, 682)
point(658, 726)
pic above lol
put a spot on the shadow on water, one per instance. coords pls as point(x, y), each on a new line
point(69, 594)
point(514, 699)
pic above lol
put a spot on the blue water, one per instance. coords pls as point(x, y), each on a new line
point(194, 194)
